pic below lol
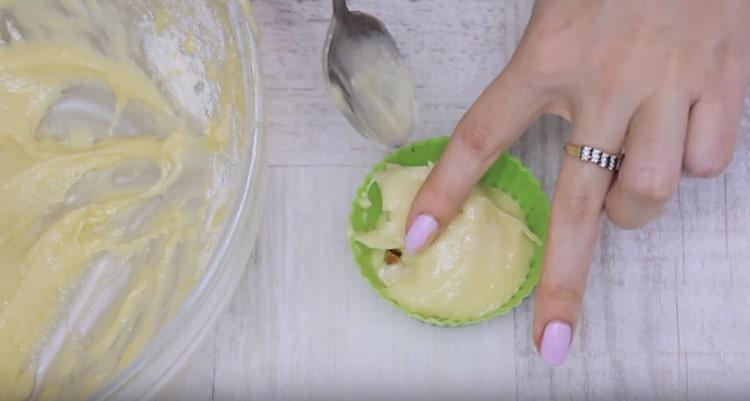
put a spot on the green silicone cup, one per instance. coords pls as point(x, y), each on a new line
point(507, 174)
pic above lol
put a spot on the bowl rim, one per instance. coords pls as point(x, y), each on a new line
point(247, 209)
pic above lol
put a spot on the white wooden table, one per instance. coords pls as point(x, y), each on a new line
point(667, 315)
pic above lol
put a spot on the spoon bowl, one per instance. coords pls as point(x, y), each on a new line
point(367, 77)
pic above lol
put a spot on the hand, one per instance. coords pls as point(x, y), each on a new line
point(663, 80)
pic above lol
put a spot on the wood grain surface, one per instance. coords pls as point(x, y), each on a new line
point(667, 312)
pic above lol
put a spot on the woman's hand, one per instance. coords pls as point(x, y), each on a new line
point(661, 80)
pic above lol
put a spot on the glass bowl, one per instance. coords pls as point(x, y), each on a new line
point(198, 52)
point(179, 337)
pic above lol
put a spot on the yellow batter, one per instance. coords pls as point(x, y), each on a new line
point(101, 218)
point(472, 268)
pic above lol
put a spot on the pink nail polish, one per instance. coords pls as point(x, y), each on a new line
point(423, 227)
point(555, 343)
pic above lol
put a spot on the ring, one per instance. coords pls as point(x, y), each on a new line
point(593, 155)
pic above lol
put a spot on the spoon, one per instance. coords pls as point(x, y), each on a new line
point(367, 77)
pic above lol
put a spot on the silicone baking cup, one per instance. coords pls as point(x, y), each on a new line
point(507, 174)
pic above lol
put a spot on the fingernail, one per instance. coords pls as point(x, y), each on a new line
point(555, 343)
point(423, 227)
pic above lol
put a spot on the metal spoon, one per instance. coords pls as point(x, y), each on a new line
point(367, 77)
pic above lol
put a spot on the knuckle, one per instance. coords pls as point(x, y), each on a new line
point(559, 295)
point(705, 167)
point(730, 61)
point(728, 53)
point(605, 102)
point(622, 219)
point(540, 66)
point(651, 184)
point(476, 141)
point(607, 91)
point(675, 60)
point(544, 56)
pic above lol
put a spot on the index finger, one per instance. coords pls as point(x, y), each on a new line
point(492, 124)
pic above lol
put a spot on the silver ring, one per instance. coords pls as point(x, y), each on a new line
point(596, 156)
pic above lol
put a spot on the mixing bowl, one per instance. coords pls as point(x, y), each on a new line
point(203, 57)
point(233, 25)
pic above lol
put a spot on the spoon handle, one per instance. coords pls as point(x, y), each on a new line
point(340, 7)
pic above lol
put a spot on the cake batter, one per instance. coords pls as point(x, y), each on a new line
point(103, 204)
point(473, 268)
